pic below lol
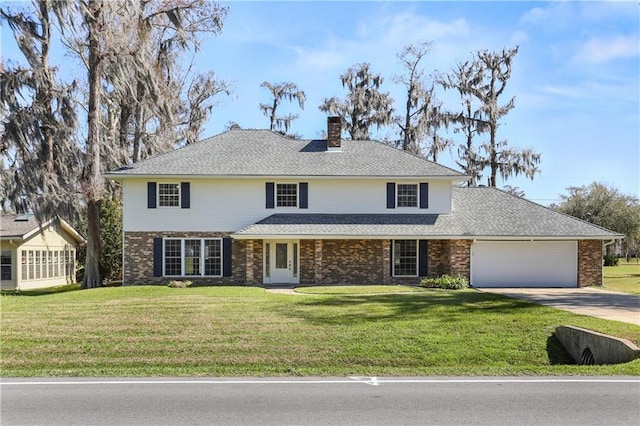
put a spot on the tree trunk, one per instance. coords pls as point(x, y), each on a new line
point(139, 123)
point(407, 120)
point(91, 277)
point(92, 184)
point(493, 156)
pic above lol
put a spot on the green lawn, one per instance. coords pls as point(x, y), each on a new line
point(235, 331)
point(625, 277)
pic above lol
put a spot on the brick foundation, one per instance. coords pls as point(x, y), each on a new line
point(589, 263)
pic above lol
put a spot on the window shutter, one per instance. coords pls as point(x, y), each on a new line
point(304, 195)
point(226, 257)
point(391, 258)
point(424, 195)
point(185, 195)
point(270, 194)
point(391, 195)
point(151, 195)
point(157, 257)
point(422, 257)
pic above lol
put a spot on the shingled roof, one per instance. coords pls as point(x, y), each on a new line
point(477, 213)
point(265, 153)
point(24, 226)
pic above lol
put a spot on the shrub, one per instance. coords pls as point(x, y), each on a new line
point(610, 260)
point(179, 284)
point(446, 282)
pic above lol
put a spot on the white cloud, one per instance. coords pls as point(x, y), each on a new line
point(378, 39)
point(601, 50)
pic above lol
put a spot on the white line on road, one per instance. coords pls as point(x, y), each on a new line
point(373, 381)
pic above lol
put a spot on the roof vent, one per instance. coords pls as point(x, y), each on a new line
point(24, 217)
point(334, 133)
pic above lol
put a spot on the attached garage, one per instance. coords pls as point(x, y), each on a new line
point(524, 264)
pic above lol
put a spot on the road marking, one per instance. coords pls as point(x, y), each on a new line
point(373, 381)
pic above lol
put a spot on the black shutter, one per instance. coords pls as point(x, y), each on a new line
point(391, 195)
point(226, 257)
point(422, 257)
point(151, 195)
point(157, 257)
point(304, 195)
point(270, 194)
point(391, 258)
point(185, 195)
point(424, 195)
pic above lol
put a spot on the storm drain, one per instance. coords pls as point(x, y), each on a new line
point(587, 357)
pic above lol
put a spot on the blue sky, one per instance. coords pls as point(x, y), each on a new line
point(576, 78)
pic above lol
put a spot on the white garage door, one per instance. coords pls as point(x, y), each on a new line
point(524, 264)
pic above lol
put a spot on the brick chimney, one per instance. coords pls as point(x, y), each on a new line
point(334, 131)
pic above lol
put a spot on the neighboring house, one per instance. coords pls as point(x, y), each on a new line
point(252, 207)
point(34, 256)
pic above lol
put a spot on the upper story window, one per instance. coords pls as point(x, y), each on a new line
point(407, 195)
point(286, 195)
point(169, 195)
point(412, 195)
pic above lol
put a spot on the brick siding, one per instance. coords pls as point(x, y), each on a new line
point(138, 264)
point(460, 258)
point(322, 262)
point(589, 263)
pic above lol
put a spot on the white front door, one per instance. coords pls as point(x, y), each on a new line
point(281, 262)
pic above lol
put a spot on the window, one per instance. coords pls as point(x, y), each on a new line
point(24, 265)
point(407, 195)
point(31, 265)
point(56, 263)
point(405, 258)
point(192, 257)
point(44, 264)
point(286, 195)
point(169, 195)
point(173, 257)
point(38, 264)
point(212, 257)
point(50, 259)
point(5, 265)
point(295, 260)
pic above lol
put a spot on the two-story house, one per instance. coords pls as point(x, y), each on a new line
point(252, 207)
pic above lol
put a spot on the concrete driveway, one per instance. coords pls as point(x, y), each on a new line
point(590, 301)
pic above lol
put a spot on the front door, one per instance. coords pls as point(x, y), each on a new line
point(281, 264)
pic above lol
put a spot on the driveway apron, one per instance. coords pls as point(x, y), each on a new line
point(590, 301)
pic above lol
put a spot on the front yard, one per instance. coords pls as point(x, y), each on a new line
point(625, 277)
point(236, 331)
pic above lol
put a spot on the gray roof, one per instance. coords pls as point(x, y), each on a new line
point(23, 226)
point(267, 153)
point(477, 213)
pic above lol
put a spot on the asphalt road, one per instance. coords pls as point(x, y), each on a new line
point(326, 401)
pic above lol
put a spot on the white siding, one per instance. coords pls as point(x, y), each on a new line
point(228, 205)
